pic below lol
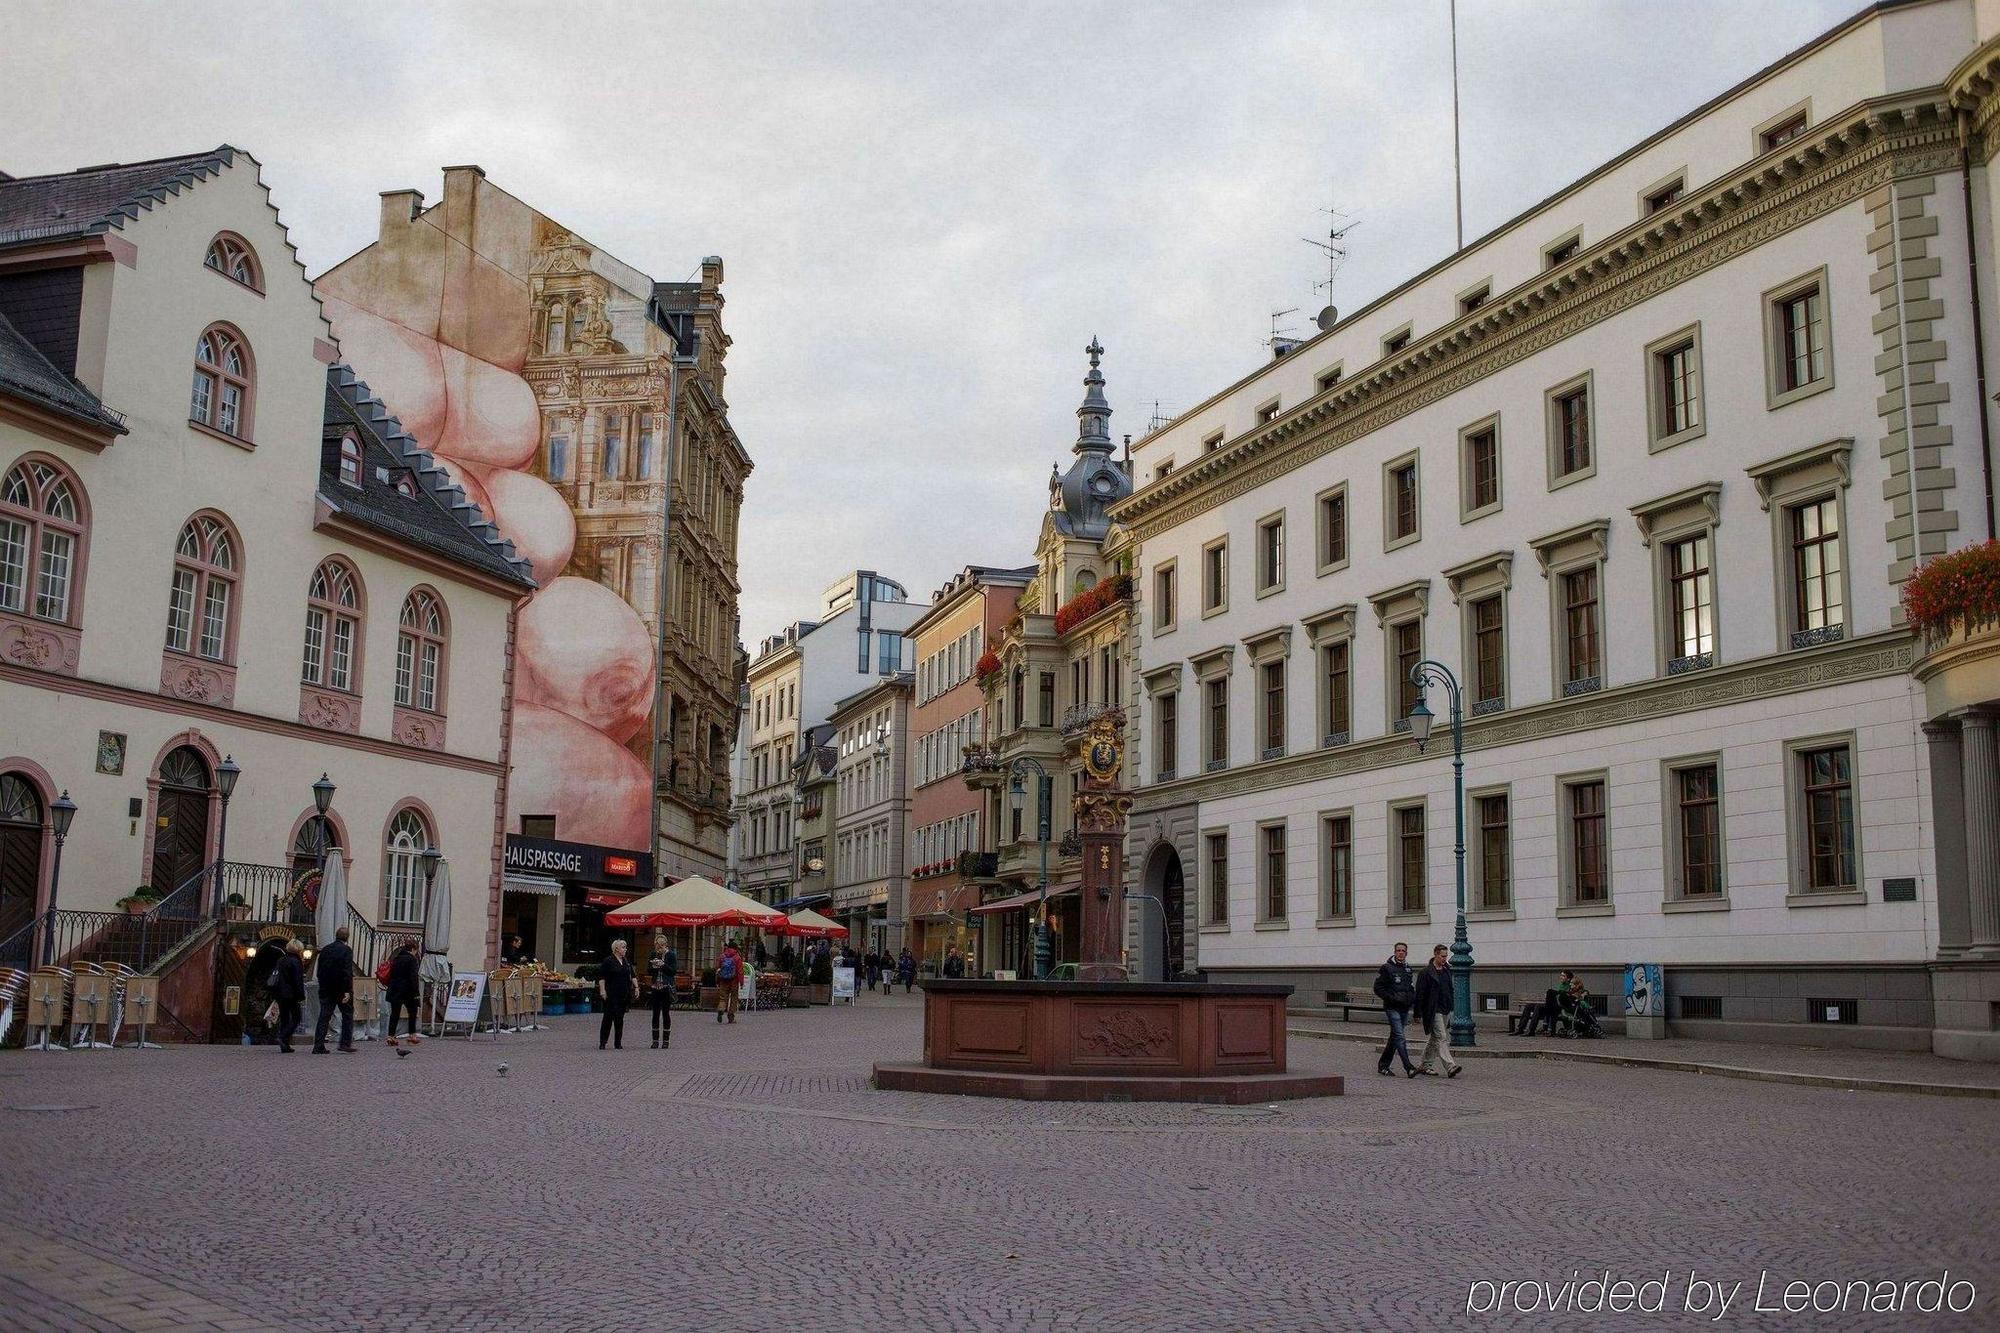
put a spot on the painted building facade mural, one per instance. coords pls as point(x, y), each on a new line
point(538, 368)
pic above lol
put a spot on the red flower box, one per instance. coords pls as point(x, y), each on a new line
point(1956, 591)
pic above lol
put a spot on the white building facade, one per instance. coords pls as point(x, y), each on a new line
point(253, 564)
point(1636, 467)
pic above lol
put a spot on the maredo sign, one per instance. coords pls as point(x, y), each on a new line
point(576, 860)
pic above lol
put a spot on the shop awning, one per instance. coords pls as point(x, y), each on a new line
point(1021, 900)
point(540, 884)
point(694, 901)
point(803, 900)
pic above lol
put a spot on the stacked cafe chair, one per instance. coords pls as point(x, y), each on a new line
point(89, 1007)
point(367, 1006)
point(13, 984)
point(496, 995)
point(142, 1004)
point(48, 1006)
point(121, 985)
point(517, 1001)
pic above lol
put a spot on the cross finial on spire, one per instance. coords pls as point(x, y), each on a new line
point(1095, 350)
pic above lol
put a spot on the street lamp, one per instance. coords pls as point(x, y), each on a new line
point(226, 774)
point(62, 811)
point(322, 802)
point(1423, 675)
point(1016, 794)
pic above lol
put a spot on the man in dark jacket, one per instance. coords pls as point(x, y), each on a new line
point(288, 989)
point(403, 987)
point(954, 965)
point(1434, 996)
point(334, 971)
point(1397, 990)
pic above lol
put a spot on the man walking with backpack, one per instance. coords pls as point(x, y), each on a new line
point(1434, 996)
point(1397, 990)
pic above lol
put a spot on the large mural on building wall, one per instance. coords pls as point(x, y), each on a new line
point(527, 363)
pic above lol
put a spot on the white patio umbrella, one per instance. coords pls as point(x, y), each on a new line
point(436, 966)
point(330, 916)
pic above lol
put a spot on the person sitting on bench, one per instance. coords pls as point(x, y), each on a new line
point(1534, 1017)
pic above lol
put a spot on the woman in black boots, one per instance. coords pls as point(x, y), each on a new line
point(661, 972)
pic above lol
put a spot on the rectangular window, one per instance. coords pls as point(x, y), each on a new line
point(1166, 725)
point(1691, 595)
point(405, 666)
point(1589, 863)
point(1816, 581)
point(1826, 779)
point(1666, 195)
point(1327, 379)
point(1562, 251)
point(558, 457)
point(1166, 597)
point(1212, 443)
point(1496, 858)
point(1337, 861)
point(1271, 554)
point(1570, 422)
point(1489, 652)
point(1046, 703)
point(612, 466)
point(1582, 660)
point(1783, 132)
point(1218, 879)
point(1407, 640)
point(14, 565)
point(1333, 529)
point(1677, 386)
point(889, 656)
point(1274, 709)
point(1216, 703)
point(214, 619)
point(1481, 451)
point(1800, 319)
point(340, 661)
point(1214, 576)
point(1412, 883)
point(1396, 341)
point(1472, 300)
point(1403, 501)
point(180, 622)
point(1337, 699)
point(1272, 871)
point(1164, 470)
point(1268, 412)
point(1698, 831)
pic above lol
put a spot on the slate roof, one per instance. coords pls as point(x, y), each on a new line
point(92, 200)
point(28, 375)
point(439, 518)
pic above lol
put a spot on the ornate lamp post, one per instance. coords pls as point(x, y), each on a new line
point(1016, 795)
point(226, 774)
point(322, 802)
point(1423, 675)
point(62, 811)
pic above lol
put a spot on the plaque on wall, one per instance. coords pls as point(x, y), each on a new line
point(1899, 890)
point(111, 752)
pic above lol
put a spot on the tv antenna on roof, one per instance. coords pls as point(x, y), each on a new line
point(1334, 247)
point(1158, 419)
point(1281, 337)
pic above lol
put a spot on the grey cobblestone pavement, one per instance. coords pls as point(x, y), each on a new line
point(751, 1179)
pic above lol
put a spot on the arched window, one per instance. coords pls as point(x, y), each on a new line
point(222, 382)
point(231, 256)
point(201, 605)
point(555, 340)
point(350, 461)
point(42, 527)
point(403, 868)
point(333, 627)
point(420, 641)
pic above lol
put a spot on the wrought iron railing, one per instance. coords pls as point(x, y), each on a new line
point(1082, 715)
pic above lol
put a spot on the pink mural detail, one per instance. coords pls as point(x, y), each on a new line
point(583, 651)
point(594, 786)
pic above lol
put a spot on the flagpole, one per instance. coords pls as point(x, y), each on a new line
point(1457, 176)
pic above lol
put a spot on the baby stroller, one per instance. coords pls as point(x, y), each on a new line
point(1576, 1018)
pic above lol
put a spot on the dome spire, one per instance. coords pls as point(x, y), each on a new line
point(1093, 418)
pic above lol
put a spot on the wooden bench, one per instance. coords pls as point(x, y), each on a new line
point(1345, 1002)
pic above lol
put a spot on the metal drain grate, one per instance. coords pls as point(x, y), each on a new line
point(768, 1086)
point(52, 1109)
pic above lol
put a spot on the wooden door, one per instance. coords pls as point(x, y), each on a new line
point(180, 842)
point(20, 853)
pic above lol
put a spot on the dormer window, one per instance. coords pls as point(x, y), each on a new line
point(405, 487)
point(350, 461)
point(231, 256)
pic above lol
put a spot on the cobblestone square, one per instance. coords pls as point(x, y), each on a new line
point(750, 1178)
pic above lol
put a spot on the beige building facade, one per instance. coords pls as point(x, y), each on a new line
point(870, 877)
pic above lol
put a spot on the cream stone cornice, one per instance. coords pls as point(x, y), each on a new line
point(1162, 678)
point(1495, 569)
point(1334, 623)
point(1552, 546)
point(1214, 662)
point(1970, 89)
point(1841, 160)
point(1650, 514)
point(1390, 601)
point(1834, 454)
point(1885, 654)
point(1268, 643)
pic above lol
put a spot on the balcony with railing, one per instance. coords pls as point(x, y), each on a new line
point(1079, 717)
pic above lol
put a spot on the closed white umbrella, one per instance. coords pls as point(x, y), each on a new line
point(330, 916)
point(436, 967)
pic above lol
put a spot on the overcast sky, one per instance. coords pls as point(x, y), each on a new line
point(926, 211)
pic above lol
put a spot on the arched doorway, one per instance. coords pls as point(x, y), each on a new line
point(180, 840)
point(21, 840)
point(1164, 881)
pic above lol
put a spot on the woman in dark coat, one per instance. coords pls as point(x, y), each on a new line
point(616, 982)
point(906, 970)
point(288, 988)
point(404, 987)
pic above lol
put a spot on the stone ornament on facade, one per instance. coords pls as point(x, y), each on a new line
point(1123, 1032)
point(42, 647)
point(329, 710)
point(197, 682)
